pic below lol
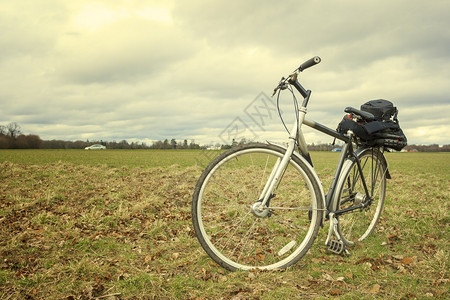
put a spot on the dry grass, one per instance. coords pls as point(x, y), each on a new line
point(78, 231)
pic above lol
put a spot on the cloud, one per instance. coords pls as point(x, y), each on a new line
point(121, 52)
point(355, 29)
point(149, 70)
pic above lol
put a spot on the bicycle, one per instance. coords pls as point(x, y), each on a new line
point(261, 205)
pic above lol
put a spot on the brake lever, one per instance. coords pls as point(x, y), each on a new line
point(274, 91)
point(281, 85)
point(284, 81)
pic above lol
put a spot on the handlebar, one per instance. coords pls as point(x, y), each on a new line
point(292, 79)
point(309, 63)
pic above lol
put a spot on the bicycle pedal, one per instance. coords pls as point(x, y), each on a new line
point(336, 247)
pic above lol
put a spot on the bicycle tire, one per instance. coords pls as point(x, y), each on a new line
point(223, 220)
point(358, 224)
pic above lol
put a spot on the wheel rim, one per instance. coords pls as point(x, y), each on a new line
point(358, 224)
point(238, 237)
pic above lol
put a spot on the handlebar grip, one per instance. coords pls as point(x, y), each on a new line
point(309, 63)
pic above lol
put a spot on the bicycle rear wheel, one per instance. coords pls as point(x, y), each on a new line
point(358, 224)
point(236, 236)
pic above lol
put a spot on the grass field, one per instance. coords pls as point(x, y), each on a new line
point(116, 224)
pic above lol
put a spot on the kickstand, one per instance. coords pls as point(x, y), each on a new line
point(337, 245)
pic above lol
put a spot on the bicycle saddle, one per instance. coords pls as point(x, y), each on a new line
point(363, 114)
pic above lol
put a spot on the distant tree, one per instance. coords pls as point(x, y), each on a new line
point(156, 145)
point(13, 129)
point(173, 144)
point(193, 145)
point(234, 143)
point(30, 141)
point(243, 141)
point(79, 145)
point(185, 144)
point(34, 141)
point(4, 142)
point(166, 144)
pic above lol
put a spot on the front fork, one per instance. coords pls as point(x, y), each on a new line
point(261, 207)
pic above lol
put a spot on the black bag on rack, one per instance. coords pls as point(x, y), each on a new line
point(382, 110)
point(383, 131)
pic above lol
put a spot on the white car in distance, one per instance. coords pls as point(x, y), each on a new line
point(95, 147)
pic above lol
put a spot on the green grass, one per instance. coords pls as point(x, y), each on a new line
point(78, 224)
point(112, 158)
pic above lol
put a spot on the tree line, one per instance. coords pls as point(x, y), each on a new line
point(11, 137)
point(166, 144)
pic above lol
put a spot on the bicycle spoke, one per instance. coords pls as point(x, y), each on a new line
point(379, 184)
point(245, 239)
point(359, 223)
point(238, 235)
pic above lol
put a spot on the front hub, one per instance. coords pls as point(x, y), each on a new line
point(260, 211)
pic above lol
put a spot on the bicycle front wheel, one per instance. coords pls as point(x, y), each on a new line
point(237, 236)
point(358, 224)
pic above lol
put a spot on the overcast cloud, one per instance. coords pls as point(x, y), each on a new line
point(150, 70)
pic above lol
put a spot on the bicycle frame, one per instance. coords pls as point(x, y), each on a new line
point(296, 137)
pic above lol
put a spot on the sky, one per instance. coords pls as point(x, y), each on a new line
point(204, 71)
